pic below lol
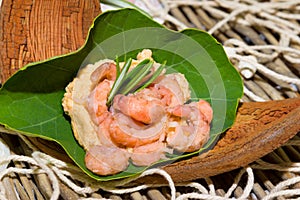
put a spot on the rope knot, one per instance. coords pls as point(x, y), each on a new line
point(246, 68)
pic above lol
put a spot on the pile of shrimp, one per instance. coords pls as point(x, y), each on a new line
point(142, 127)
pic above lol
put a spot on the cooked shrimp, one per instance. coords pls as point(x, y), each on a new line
point(126, 132)
point(140, 127)
point(96, 102)
point(189, 129)
point(103, 132)
point(185, 110)
point(139, 107)
point(104, 160)
point(206, 109)
point(165, 95)
point(177, 86)
point(106, 70)
point(148, 154)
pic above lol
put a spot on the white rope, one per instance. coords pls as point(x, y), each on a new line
point(211, 186)
point(142, 187)
point(194, 195)
point(249, 185)
point(273, 26)
point(2, 191)
point(278, 20)
point(235, 184)
point(71, 184)
point(281, 189)
point(213, 196)
point(43, 165)
point(58, 170)
point(19, 171)
point(226, 19)
point(288, 16)
point(253, 96)
point(163, 13)
point(286, 193)
point(195, 185)
point(250, 64)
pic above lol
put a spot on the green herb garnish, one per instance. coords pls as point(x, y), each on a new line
point(135, 80)
point(153, 77)
point(119, 80)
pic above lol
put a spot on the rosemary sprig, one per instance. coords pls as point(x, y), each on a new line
point(135, 76)
point(135, 80)
point(153, 77)
point(118, 66)
point(119, 80)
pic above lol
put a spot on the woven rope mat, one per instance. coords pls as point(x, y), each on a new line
point(262, 40)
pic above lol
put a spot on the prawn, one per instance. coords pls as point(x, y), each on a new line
point(126, 132)
point(147, 106)
point(189, 127)
point(148, 154)
point(103, 132)
point(106, 70)
point(96, 102)
point(103, 77)
point(175, 87)
point(103, 160)
point(139, 108)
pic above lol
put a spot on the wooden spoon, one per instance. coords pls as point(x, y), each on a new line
point(259, 128)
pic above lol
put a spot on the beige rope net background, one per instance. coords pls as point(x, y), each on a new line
point(261, 38)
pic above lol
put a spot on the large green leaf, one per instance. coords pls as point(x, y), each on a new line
point(30, 101)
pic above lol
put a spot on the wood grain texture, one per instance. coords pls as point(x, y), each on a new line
point(34, 30)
